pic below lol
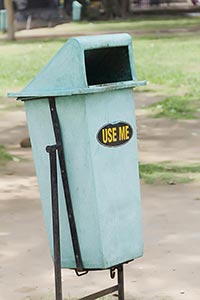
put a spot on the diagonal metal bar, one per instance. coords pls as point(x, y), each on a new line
point(72, 224)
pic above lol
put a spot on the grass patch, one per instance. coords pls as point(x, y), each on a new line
point(175, 107)
point(169, 66)
point(167, 62)
point(21, 62)
point(4, 155)
point(168, 173)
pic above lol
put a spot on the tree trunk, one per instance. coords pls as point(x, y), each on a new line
point(112, 8)
point(10, 13)
point(125, 8)
point(84, 8)
point(68, 6)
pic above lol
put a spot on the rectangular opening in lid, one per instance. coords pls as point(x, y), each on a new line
point(107, 65)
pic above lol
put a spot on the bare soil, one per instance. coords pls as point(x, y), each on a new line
point(170, 268)
point(164, 139)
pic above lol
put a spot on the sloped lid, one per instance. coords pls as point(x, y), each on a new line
point(88, 64)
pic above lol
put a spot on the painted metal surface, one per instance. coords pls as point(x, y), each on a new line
point(53, 150)
point(3, 20)
point(76, 11)
point(103, 181)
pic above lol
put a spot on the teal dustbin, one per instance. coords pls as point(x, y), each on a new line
point(3, 20)
point(91, 80)
point(76, 11)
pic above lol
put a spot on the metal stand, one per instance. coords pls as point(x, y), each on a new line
point(55, 217)
point(54, 152)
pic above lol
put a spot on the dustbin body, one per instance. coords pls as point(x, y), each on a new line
point(76, 11)
point(3, 20)
point(100, 146)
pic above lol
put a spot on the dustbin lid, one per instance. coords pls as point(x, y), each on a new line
point(66, 72)
point(77, 4)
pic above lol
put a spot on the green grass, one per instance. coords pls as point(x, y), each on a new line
point(170, 67)
point(167, 62)
point(175, 107)
point(4, 155)
point(168, 173)
point(20, 62)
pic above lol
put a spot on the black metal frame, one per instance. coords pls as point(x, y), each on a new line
point(54, 151)
point(55, 217)
point(69, 208)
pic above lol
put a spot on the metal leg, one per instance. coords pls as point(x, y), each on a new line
point(55, 217)
point(120, 276)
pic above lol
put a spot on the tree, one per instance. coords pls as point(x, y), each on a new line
point(112, 8)
point(68, 6)
point(125, 8)
point(117, 8)
point(10, 11)
point(84, 7)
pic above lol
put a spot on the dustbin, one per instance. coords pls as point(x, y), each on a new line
point(3, 20)
point(76, 11)
point(90, 83)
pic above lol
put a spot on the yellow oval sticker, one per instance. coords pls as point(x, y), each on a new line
point(116, 134)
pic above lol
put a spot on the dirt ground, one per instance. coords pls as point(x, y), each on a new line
point(170, 268)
